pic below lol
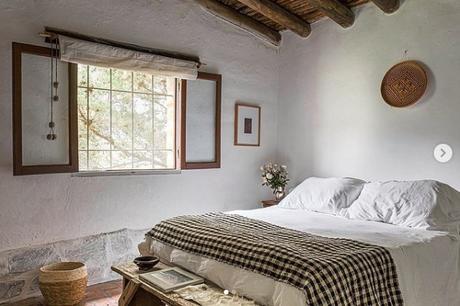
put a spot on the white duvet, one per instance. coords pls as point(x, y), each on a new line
point(427, 262)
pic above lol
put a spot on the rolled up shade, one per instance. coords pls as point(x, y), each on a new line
point(90, 53)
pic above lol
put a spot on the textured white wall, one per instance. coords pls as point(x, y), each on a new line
point(332, 119)
point(40, 209)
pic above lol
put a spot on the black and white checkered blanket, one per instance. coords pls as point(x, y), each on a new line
point(329, 271)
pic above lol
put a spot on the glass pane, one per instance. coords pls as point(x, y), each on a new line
point(99, 160)
point(82, 119)
point(35, 78)
point(164, 86)
point(143, 125)
point(83, 75)
point(126, 126)
point(164, 122)
point(99, 77)
point(122, 159)
point(83, 160)
point(142, 82)
point(99, 119)
point(122, 121)
point(164, 160)
point(201, 121)
point(143, 160)
point(122, 80)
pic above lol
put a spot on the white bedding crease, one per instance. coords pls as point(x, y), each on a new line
point(427, 262)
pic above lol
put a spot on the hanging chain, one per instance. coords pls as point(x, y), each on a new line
point(54, 88)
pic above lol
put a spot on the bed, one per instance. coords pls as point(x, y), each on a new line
point(427, 261)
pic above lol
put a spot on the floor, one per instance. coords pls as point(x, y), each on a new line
point(105, 294)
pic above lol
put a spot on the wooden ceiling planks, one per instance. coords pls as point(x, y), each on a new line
point(296, 15)
point(302, 8)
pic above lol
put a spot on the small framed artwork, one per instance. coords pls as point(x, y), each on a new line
point(247, 125)
point(170, 279)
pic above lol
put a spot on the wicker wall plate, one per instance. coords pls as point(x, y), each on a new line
point(404, 84)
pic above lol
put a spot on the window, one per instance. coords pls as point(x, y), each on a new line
point(126, 120)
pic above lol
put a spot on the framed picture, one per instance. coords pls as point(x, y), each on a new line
point(170, 279)
point(247, 125)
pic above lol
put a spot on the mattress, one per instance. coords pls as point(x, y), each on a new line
point(427, 262)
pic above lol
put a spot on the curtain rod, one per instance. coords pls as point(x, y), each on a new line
point(122, 45)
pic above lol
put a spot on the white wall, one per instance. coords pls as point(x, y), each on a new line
point(40, 209)
point(332, 119)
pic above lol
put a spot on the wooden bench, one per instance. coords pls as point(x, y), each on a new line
point(138, 293)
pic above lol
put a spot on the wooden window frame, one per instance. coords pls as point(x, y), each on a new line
point(137, 170)
point(216, 163)
point(18, 168)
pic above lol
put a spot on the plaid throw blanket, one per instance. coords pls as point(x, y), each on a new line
point(329, 271)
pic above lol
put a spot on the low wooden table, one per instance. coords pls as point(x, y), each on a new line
point(138, 293)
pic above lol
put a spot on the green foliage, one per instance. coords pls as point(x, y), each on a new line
point(274, 176)
point(126, 119)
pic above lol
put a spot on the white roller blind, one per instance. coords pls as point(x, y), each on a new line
point(90, 53)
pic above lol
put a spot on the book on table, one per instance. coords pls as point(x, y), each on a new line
point(170, 279)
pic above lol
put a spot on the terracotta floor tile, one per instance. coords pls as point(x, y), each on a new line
point(105, 294)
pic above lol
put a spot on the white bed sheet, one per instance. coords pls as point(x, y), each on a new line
point(427, 262)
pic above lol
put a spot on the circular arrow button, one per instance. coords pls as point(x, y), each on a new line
point(443, 153)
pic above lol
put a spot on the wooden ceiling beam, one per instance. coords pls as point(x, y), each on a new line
point(244, 22)
point(279, 15)
point(388, 6)
point(336, 11)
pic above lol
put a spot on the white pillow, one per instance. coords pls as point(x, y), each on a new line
point(326, 195)
point(423, 204)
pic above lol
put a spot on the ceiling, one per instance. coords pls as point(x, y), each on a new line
point(301, 8)
point(266, 18)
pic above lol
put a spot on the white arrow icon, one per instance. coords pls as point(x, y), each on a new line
point(443, 153)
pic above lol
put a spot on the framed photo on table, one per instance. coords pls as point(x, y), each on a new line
point(247, 125)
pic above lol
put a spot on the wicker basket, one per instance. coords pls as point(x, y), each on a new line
point(63, 283)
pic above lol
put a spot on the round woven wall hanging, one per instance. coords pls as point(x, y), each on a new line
point(404, 84)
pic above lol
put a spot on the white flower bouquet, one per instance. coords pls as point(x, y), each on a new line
point(275, 177)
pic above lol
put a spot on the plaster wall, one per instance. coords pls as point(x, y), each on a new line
point(332, 118)
point(35, 210)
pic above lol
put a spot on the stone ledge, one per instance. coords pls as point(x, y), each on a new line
point(19, 267)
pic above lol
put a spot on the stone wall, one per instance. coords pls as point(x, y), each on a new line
point(19, 267)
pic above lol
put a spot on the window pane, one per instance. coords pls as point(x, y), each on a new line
point(143, 125)
point(82, 75)
point(99, 160)
point(122, 80)
point(122, 159)
point(99, 77)
point(164, 160)
point(143, 82)
point(99, 120)
point(126, 120)
point(164, 122)
point(82, 118)
point(143, 160)
point(83, 160)
point(122, 121)
point(164, 86)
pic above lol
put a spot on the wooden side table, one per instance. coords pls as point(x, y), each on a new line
point(269, 203)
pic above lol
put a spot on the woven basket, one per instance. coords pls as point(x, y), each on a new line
point(63, 283)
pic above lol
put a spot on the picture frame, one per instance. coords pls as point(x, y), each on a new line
point(247, 125)
point(170, 279)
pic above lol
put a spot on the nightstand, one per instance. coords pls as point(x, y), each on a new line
point(269, 203)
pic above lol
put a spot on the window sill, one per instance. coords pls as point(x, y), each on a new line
point(124, 173)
